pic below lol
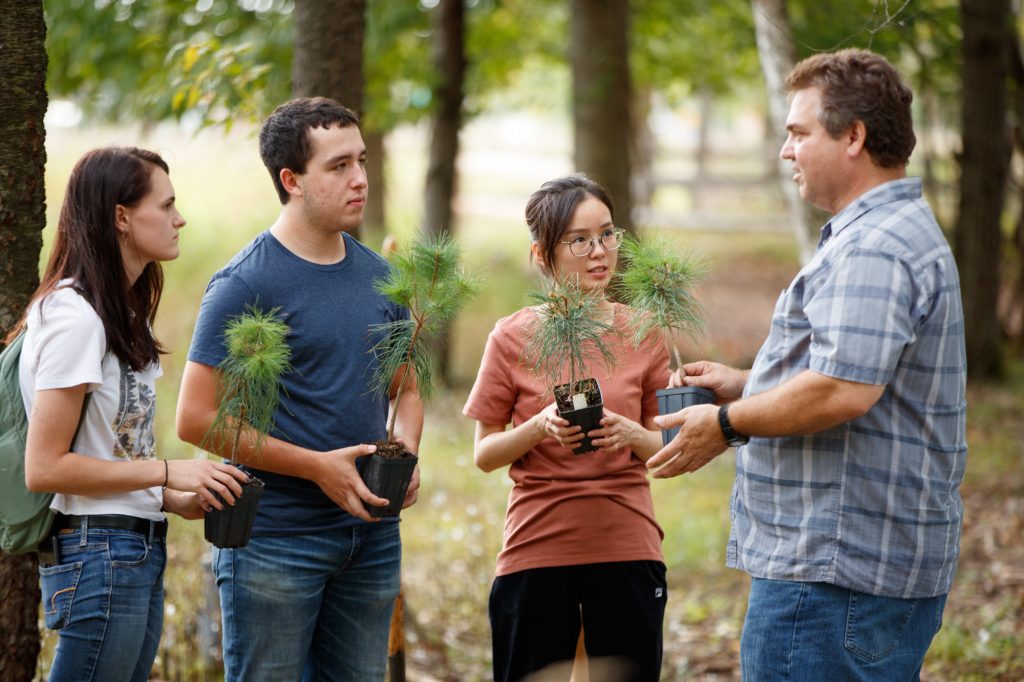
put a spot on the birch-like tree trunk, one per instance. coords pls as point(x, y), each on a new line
point(778, 56)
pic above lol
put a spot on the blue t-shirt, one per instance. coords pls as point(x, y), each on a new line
point(326, 402)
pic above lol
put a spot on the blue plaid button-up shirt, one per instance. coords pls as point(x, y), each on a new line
point(872, 505)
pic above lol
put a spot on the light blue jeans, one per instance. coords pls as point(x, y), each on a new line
point(105, 597)
point(311, 607)
point(815, 631)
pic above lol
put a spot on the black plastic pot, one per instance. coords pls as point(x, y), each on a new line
point(231, 526)
point(589, 417)
point(390, 478)
point(674, 399)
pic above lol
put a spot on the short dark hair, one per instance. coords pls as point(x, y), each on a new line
point(86, 250)
point(551, 208)
point(861, 85)
point(284, 137)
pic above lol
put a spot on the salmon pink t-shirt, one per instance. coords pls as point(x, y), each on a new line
point(566, 509)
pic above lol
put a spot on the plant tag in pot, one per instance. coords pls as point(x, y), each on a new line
point(579, 401)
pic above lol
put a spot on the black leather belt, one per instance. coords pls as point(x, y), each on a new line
point(115, 521)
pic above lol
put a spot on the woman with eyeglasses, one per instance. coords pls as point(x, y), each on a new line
point(581, 545)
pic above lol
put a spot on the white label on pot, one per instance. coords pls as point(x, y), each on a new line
point(579, 401)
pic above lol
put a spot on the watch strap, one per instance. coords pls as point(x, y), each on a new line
point(732, 437)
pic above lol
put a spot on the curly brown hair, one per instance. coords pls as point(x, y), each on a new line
point(861, 85)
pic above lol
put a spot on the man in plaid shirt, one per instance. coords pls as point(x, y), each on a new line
point(850, 427)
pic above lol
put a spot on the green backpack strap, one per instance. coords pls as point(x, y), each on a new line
point(25, 516)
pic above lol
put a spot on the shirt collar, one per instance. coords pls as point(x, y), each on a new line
point(904, 189)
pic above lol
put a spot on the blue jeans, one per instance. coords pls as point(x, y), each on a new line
point(105, 596)
point(310, 607)
point(815, 631)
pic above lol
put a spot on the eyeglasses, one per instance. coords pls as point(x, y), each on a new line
point(610, 239)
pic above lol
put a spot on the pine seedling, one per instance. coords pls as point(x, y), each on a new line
point(429, 280)
point(657, 284)
point(569, 329)
point(250, 384)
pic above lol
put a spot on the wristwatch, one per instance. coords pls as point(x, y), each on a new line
point(732, 437)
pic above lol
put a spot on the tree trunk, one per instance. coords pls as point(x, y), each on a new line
point(22, 218)
point(778, 57)
point(599, 58)
point(983, 171)
point(1013, 310)
point(375, 216)
point(449, 58)
point(328, 57)
point(328, 52)
point(706, 102)
point(642, 151)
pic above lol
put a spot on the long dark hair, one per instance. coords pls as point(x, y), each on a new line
point(551, 208)
point(86, 251)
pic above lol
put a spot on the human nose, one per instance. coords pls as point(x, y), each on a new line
point(179, 220)
point(359, 179)
point(786, 153)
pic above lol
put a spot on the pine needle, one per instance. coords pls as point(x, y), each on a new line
point(250, 383)
point(427, 278)
point(657, 285)
point(568, 331)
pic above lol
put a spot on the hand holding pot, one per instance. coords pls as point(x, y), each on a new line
point(725, 382)
point(338, 477)
point(698, 442)
point(207, 479)
point(554, 426)
point(616, 432)
point(188, 506)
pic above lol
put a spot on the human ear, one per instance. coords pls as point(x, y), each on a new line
point(856, 137)
point(538, 257)
point(290, 182)
point(121, 219)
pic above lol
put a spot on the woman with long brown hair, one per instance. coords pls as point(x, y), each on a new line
point(88, 333)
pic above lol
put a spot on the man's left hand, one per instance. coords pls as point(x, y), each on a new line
point(698, 442)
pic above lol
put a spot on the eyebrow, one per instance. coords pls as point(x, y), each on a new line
point(344, 157)
point(584, 230)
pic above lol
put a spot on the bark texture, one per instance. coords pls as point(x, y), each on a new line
point(601, 94)
point(327, 60)
point(984, 165)
point(22, 218)
point(448, 24)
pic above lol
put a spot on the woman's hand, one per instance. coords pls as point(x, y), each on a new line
point(616, 432)
point(554, 426)
point(207, 479)
point(186, 505)
point(621, 432)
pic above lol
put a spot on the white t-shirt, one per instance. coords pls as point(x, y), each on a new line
point(66, 346)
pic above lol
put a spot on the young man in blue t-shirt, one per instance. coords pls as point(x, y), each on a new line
point(312, 592)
